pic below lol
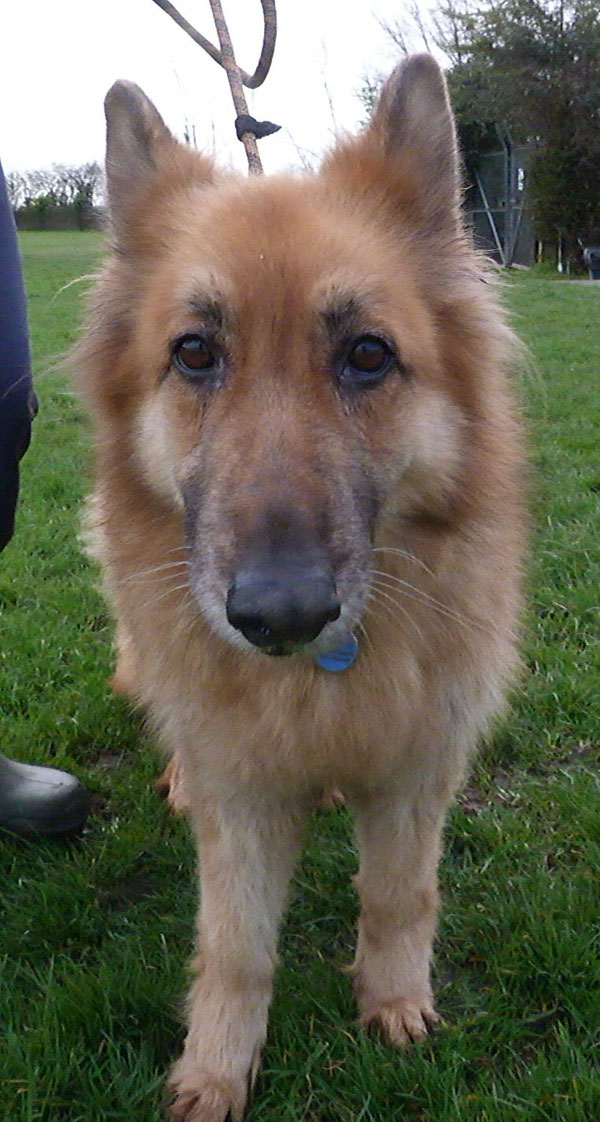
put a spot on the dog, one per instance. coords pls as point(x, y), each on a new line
point(309, 512)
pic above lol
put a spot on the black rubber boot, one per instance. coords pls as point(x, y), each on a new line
point(40, 800)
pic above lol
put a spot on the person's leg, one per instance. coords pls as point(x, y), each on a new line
point(33, 800)
point(16, 390)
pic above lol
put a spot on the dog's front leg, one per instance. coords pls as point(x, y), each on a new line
point(247, 851)
point(399, 844)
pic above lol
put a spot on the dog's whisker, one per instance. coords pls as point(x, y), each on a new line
point(147, 604)
point(187, 621)
point(420, 596)
point(69, 284)
point(396, 609)
point(378, 593)
point(438, 617)
point(155, 581)
point(145, 575)
point(403, 553)
point(368, 640)
point(405, 588)
point(188, 602)
point(438, 613)
point(398, 617)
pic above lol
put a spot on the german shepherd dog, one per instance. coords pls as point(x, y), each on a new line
point(308, 509)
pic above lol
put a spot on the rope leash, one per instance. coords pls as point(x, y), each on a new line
point(248, 130)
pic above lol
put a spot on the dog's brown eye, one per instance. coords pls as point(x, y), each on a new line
point(193, 356)
point(369, 360)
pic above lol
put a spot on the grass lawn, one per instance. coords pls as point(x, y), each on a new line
point(95, 934)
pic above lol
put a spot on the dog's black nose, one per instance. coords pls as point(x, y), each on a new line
point(275, 608)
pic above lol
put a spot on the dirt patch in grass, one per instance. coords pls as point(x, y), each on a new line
point(127, 891)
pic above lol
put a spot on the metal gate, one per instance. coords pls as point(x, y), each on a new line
point(496, 205)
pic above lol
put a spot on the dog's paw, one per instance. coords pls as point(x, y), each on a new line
point(402, 1022)
point(204, 1098)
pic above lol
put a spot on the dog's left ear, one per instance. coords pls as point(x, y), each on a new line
point(409, 146)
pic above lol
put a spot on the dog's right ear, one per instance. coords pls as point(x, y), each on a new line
point(138, 145)
point(135, 135)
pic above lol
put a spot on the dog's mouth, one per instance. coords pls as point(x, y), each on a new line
point(331, 643)
point(261, 639)
point(282, 650)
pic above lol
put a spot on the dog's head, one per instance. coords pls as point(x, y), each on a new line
point(279, 368)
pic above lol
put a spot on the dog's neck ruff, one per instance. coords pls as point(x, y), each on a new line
point(340, 657)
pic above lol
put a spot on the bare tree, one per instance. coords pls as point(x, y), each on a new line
point(60, 185)
point(16, 185)
point(87, 181)
point(412, 31)
point(41, 183)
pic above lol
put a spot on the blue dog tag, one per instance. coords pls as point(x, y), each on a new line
point(340, 658)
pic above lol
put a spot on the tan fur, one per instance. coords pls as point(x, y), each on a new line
point(432, 591)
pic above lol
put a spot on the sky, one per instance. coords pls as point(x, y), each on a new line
point(58, 60)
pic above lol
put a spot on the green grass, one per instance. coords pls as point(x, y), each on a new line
point(95, 934)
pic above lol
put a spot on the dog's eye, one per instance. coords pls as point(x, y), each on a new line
point(368, 361)
point(193, 356)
